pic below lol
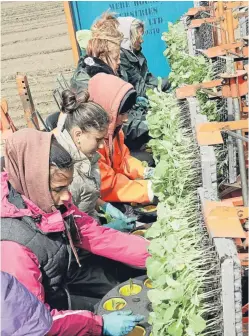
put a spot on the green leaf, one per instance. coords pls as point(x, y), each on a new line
point(154, 268)
point(170, 243)
point(156, 296)
point(190, 332)
point(156, 247)
point(175, 329)
point(169, 313)
point(197, 323)
point(153, 232)
point(195, 300)
point(171, 282)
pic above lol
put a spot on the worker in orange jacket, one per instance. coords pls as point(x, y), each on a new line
point(123, 177)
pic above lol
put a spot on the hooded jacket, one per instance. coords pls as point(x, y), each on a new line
point(136, 129)
point(85, 187)
point(29, 178)
point(121, 174)
point(21, 312)
point(88, 67)
point(134, 67)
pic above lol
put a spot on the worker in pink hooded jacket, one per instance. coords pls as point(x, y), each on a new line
point(43, 233)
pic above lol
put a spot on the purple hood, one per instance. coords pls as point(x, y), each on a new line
point(21, 312)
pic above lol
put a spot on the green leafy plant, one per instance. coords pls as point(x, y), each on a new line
point(131, 285)
point(187, 69)
point(181, 263)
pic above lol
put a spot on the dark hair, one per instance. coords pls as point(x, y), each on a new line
point(83, 113)
point(58, 156)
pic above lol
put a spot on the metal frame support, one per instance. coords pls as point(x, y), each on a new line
point(235, 135)
point(230, 266)
point(241, 154)
point(71, 30)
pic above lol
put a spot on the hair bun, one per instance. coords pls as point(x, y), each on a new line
point(71, 101)
point(83, 96)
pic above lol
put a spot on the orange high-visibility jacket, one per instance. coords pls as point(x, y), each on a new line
point(121, 175)
point(118, 178)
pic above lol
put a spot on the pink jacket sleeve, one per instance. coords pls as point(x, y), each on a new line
point(126, 248)
point(23, 264)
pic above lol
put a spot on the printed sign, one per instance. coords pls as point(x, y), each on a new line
point(155, 15)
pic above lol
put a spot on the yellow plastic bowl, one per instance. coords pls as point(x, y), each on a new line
point(114, 304)
point(148, 283)
point(139, 232)
point(128, 290)
point(149, 208)
point(137, 331)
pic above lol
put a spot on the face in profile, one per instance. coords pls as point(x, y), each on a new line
point(139, 40)
point(121, 119)
point(89, 142)
point(60, 179)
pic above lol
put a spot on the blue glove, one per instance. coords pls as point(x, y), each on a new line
point(117, 214)
point(142, 101)
point(120, 323)
point(121, 225)
point(148, 173)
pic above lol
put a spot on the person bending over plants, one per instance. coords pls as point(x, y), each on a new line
point(133, 67)
point(123, 177)
point(102, 55)
point(42, 232)
point(81, 130)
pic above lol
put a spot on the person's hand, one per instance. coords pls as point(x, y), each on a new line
point(117, 214)
point(149, 173)
point(142, 100)
point(120, 323)
point(121, 225)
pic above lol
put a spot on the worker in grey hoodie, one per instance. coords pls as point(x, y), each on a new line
point(81, 130)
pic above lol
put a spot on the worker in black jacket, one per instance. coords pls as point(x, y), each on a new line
point(134, 67)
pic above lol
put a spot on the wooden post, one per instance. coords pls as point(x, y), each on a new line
point(27, 101)
point(71, 31)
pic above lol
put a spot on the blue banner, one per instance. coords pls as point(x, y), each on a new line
point(155, 15)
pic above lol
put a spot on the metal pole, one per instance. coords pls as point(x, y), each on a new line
point(235, 135)
point(232, 166)
point(242, 164)
point(222, 25)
